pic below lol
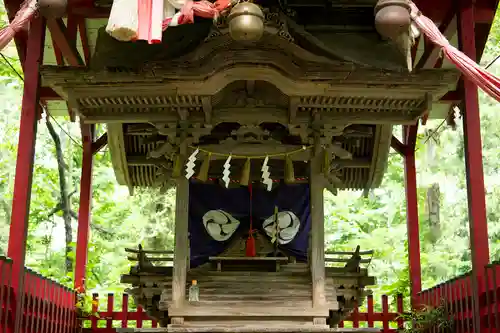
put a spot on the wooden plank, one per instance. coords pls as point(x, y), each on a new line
point(122, 114)
point(151, 259)
point(149, 251)
point(368, 252)
point(249, 258)
point(249, 309)
point(342, 260)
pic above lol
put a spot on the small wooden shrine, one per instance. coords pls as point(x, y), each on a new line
point(289, 102)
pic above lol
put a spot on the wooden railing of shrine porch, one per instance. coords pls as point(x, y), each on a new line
point(47, 306)
point(457, 297)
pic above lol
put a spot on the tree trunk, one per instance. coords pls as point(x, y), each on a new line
point(64, 201)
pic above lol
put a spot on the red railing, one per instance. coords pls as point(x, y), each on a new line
point(459, 297)
point(120, 315)
point(46, 305)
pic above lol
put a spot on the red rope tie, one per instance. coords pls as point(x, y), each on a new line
point(24, 15)
point(488, 82)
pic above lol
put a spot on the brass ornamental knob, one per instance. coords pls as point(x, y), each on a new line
point(246, 22)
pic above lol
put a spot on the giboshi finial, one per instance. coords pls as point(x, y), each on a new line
point(246, 22)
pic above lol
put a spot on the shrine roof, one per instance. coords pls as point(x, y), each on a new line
point(334, 68)
point(352, 15)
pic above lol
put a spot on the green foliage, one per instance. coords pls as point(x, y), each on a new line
point(428, 319)
point(85, 306)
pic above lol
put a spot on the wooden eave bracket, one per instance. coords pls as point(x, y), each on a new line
point(59, 34)
point(398, 146)
point(409, 140)
point(98, 144)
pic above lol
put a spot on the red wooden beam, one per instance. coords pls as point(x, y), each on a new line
point(432, 52)
point(60, 35)
point(473, 149)
point(413, 233)
point(24, 164)
point(410, 136)
point(484, 15)
point(454, 97)
point(57, 53)
point(85, 208)
point(478, 225)
point(82, 25)
point(48, 94)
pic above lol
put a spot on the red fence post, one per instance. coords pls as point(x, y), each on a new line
point(24, 164)
point(409, 139)
point(401, 311)
point(355, 315)
point(140, 316)
point(385, 313)
point(82, 240)
point(496, 295)
point(110, 308)
point(124, 311)
point(95, 309)
point(370, 311)
point(4, 284)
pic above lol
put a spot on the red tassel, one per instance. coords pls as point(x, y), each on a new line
point(250, 245)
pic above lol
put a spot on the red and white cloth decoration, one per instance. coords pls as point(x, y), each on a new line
point(203, 8)
point(483, 79)
point(24, 15)
point(131, 20)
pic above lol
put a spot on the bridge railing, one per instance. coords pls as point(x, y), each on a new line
point(118, 311)
point(47, 306)
point(457, 296)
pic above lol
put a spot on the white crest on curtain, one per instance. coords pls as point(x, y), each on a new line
point(288, 226)
point(219, 224)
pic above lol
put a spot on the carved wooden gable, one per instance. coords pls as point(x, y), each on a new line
point(271, 96)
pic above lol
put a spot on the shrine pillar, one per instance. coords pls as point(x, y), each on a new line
point(30, 112)
point(478, 224)
point(181, 247)
point(84, 212)
point(317, 245)
point(412, 223)
point(473, 147)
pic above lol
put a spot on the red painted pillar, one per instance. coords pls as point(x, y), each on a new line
point(82, 239)
point(473, 148)
point(409, 139)
point(478, 224)
point(25, 158)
